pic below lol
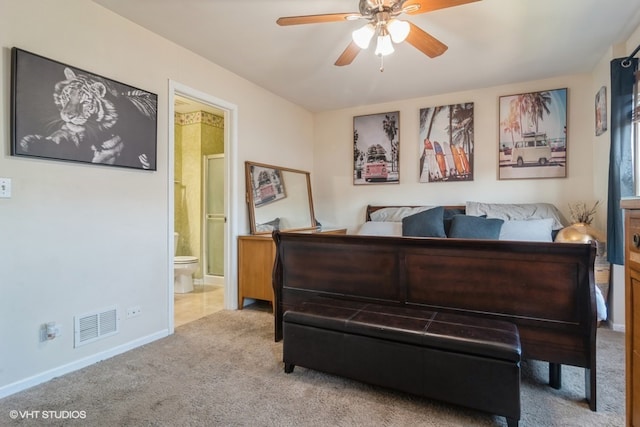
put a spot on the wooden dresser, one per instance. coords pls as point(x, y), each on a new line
point(256, 254)
point(632, 300)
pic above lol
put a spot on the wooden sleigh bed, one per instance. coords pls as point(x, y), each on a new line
point(546, 289)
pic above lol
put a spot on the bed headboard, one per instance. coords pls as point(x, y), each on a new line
point(373, 208)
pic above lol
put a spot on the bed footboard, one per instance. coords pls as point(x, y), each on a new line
point(546, 289)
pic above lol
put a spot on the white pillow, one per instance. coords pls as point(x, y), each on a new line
point(382, 228)
point(517, 211)
point(530, 230)
point(396, 214)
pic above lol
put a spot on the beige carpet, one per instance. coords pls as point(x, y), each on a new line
point(226, 370)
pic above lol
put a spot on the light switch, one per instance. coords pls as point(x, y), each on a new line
point(5, 188)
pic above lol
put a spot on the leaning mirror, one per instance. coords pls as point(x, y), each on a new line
point(279, 198)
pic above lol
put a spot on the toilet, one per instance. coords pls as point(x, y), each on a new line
point(183, 269)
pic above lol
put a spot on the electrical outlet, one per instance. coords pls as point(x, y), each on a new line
point(50, 331)
point(5, 188)
point(133, 311)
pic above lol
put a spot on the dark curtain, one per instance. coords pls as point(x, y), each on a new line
point(620, 158)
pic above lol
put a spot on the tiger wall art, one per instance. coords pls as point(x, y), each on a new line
point(65, 113)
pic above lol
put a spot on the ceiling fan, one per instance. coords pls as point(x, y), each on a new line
point(382, 16)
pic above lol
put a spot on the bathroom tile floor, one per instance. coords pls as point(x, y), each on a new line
point(204, 300)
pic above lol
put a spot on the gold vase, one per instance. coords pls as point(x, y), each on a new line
point(580, 232)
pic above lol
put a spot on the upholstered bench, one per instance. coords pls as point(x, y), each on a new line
point(468, 361)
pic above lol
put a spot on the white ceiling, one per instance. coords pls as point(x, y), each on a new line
point(491, 42)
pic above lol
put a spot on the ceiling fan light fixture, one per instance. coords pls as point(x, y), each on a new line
point(363, 35)
point(399, 30)
point(382, 23)
point(384, 46)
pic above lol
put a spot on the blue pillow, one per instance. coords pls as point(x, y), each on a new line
point(427, 223)
point(475, 227)
point(448, 215)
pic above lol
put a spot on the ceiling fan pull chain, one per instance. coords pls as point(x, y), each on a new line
point(381, 63)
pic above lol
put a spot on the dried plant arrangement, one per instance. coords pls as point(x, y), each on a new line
point(580, 213)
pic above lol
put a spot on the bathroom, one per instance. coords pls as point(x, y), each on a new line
point(198, 210)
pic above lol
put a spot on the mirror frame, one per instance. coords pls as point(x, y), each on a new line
point(251, 202)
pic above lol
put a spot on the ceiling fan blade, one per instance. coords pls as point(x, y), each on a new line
point(314, 19)
point(348, 55)
point(425, 42)
point(431, 5)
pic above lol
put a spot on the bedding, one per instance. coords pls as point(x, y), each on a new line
point(397, 213)
point(506, 211)
point(526, 230)
point(380, 228)
point(531, 222)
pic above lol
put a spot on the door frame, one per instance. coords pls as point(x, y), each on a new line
point(231, 184)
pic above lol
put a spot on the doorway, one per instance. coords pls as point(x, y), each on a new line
point(225, 205)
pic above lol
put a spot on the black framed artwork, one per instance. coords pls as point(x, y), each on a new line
point(376, 149)
point(446, 143)
point(533, 135)
point(601, 111)
point(61, 112)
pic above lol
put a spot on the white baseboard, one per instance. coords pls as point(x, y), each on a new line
point(214, 280)
point(42, 377)
point(618, 327)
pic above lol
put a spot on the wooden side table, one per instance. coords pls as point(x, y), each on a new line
point(256, 255)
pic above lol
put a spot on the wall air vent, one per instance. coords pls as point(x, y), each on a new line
point(94, 326)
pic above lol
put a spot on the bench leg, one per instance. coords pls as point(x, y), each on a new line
point(555, 375)
point(288, 367)
point(512, 423)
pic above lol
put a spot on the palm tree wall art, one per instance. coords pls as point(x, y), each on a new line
point(533, 135)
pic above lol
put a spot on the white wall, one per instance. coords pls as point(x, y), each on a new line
point(339, 202)
point(76, 238)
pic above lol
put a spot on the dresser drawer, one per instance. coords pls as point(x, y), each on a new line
point(633, 239)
